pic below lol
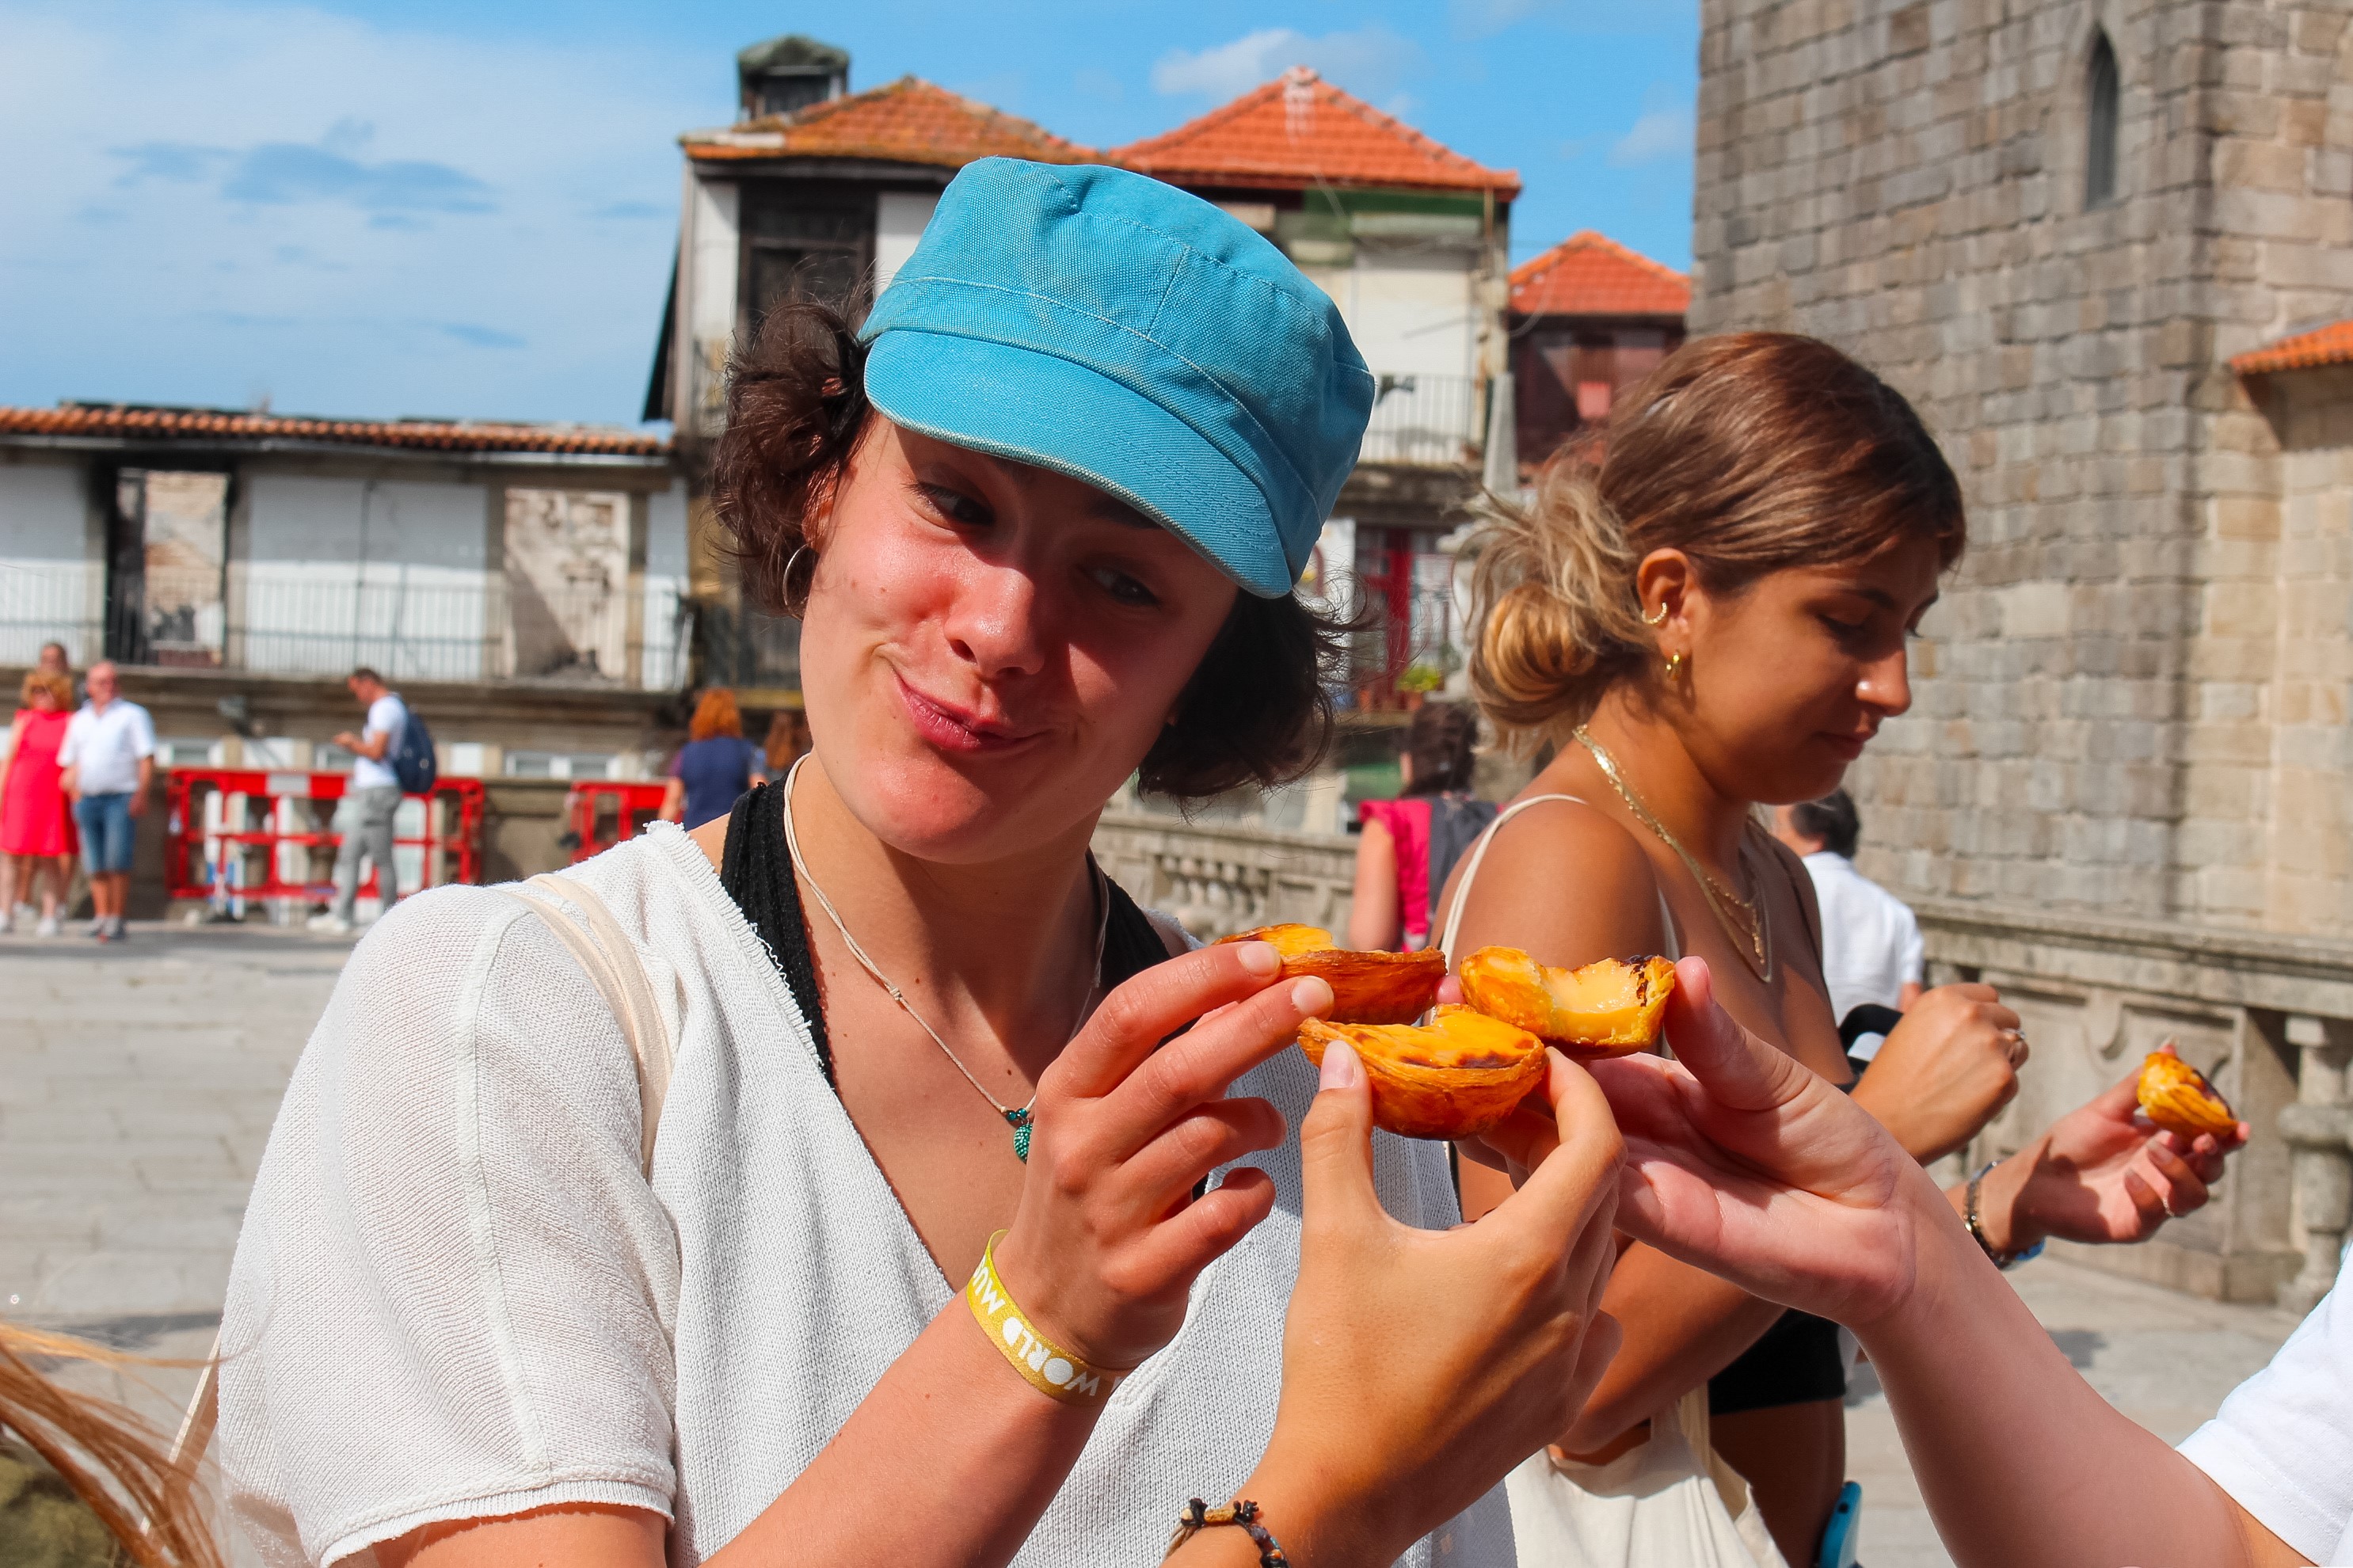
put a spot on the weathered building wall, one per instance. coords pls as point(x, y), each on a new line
point(51, 585)
point(2092, 728)
point(2129, 708)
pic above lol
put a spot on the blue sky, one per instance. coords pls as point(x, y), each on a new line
point(442, 208)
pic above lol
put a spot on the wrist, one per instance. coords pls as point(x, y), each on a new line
point(2006, 1215)
point(1307, 1508)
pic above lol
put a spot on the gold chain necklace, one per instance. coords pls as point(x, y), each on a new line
point(1017, 1118)
point(1752, 933)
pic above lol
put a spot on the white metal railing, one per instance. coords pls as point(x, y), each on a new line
point(310, 620)
point(1426, 421)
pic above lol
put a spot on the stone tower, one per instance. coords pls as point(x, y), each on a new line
point(2123, 790)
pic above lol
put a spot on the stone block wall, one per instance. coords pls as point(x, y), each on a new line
point(2098, 713)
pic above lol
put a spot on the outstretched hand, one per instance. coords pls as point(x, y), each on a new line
point(2102, 1173)
point(1741, 1162)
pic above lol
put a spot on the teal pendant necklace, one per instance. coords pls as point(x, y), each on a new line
point(1018, 1117)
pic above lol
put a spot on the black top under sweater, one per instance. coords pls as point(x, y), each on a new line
point(756, 869)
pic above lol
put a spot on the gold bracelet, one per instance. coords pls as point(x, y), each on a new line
point(1048, 1367)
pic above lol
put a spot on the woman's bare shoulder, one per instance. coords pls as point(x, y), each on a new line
point(712, 838)
point(1566, 882)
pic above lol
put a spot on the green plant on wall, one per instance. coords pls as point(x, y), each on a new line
point(1420, 675)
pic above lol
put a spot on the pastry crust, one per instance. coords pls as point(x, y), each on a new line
point(1610, 1008)
point(2176, 1097)
point(1376, 987)
point(1456, 1077)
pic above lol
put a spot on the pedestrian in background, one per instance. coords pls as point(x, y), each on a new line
point(108, 757)
point(53, 661)
point(36, 821)
point(364, 816)
point(1871, 944)
point(715, 767)
point(788, 738)
point(1408, 846)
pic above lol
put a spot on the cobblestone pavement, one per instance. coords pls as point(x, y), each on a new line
point(138, 1081)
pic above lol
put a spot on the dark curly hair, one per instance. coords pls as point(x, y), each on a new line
point(1256, 712)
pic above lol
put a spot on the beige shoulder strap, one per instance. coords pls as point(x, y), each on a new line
point(1479, 853)
point(611, 963)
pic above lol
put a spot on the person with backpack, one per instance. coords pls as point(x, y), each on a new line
point(1408, 846)
point(383, 750)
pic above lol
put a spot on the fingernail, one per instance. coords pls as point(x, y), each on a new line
point(1260, 957)
point(1313, 994)
point(1340, 1068)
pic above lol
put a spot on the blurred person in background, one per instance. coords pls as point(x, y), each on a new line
point(109, 758)
point(788, 738)
point(1408, 846)
point(37, 832)
point(53, 661)
point(365, 815)
point(1871, 944)
point(715, 767)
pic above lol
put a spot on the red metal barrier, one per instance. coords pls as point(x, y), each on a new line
point(241, 833)
point(601, 813)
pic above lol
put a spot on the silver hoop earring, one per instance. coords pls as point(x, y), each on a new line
point(795, 604)
point(1658, 617)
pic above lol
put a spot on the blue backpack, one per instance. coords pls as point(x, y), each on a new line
point(411, 757)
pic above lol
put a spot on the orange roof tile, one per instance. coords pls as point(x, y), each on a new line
point(1590, 274)
point(1299, 130)
point(905, 121)
point(196, 424)
point(2331, 344)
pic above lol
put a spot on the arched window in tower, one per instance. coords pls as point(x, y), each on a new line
point(2101, 91)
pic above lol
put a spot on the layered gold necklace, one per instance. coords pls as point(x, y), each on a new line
point(1744, 920)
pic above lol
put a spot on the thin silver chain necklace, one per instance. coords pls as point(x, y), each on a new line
point(1016, 1117)
point(1755, 941)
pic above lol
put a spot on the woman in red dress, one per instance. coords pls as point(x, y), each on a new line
point(36, 825)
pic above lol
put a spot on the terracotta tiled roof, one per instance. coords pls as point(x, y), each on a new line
point(907, 122)
point(1300, 130)
point(2331, 344)
point(220, 424)
point(1588, 274)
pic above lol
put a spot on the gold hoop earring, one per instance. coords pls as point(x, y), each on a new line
point(1657, 617)
point(1674, 665)
point(795, 604)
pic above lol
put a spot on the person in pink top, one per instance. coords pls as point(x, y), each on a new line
point(36, 824)
point(1407, 846)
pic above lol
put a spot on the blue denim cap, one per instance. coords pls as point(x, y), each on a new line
point(1112, 328)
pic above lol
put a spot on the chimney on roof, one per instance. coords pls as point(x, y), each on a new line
point(789, 73)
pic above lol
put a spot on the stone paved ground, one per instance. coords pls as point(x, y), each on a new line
point(137, 1085)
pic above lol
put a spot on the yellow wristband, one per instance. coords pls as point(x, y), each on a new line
point(1049, 1369)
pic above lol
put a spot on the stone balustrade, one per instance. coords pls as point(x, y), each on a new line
point(2268, 1017)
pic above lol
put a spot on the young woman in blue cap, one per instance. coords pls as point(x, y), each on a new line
point(972, 1228)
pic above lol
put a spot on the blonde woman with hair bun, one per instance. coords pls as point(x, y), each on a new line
point(1706, 611)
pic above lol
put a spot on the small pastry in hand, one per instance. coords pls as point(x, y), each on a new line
point(2176, 1097)
point(1611, 1008)
point(1456, 1077)
point(1366, 987)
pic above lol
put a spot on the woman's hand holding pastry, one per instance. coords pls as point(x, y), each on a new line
point(1107, 1239)
point(2099, 1174)
point(1420, 1366)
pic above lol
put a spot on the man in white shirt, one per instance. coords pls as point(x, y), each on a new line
point(109, 758)
point(365, 815)
point(1871, 944)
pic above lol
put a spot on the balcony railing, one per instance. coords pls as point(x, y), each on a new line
point(1426, 421)
point(409, 624)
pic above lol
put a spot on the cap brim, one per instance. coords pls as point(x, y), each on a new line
point(1034, 408)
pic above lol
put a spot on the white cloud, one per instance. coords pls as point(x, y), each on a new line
point(1372, 62)
point(1666, 129)
point(358, 216)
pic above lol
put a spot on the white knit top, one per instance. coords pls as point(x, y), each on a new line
point(456, 1295)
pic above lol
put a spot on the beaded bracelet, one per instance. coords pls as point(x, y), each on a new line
point(1200, 1516)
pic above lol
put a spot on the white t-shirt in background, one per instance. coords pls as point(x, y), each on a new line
point(1871, 944)
point(2281, 1445)
point(107, 747)
point(387, 716)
